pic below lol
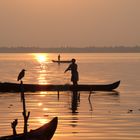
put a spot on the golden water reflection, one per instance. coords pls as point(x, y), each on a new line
point(42, 120)
point(42, 72)
point(40, 104)
point(42, 76)
point(42, 93)
point(42, 59)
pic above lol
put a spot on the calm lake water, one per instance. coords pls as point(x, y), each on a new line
point(105, 116)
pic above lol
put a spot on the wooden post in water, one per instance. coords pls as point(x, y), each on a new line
point(25, 116)
point(58, 94)
point(13, 125)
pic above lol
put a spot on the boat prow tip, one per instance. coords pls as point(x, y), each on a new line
point(55, 119)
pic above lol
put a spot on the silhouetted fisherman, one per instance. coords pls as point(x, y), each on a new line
point(21, 74)
point(74, 73)
point(59, 57)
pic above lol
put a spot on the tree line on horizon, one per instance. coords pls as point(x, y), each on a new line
point(104, 49)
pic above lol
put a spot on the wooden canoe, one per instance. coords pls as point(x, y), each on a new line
point(45, 132)
point(14, 87)
point(61, 61)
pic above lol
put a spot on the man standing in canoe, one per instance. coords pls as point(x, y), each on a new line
point(74, 73)
point(59, 58)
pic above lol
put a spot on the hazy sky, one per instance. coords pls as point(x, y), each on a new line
point(52, 23)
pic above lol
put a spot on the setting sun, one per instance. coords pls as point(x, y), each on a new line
point(41, 58)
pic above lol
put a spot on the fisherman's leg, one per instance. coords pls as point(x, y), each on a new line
point(75, 83)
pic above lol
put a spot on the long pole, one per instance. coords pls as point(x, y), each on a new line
point(25, 116)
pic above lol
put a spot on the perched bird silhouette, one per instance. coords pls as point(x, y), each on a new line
point(21, 74)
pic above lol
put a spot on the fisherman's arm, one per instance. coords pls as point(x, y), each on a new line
point(69, 68)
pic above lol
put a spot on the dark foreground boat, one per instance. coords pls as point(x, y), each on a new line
point(14, 87)
point(45, 132)
point(61, 61)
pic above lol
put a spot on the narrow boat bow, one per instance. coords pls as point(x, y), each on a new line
point(45, 132)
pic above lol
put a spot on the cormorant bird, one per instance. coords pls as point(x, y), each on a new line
point(21, 74)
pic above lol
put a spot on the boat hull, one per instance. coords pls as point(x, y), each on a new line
point(45, 132)
point(61, 61)
point(14, 87)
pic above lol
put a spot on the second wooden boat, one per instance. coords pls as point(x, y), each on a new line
point(45, 132)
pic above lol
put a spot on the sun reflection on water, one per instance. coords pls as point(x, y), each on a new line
point(45, 109)
point(42, 120)
point(42, 76)
point(40, 104)
point(42, 59)
point(43, 93)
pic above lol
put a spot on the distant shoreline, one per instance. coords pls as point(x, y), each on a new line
point(70, 50)
point(67, 52)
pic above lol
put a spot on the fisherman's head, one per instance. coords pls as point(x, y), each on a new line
point(73, 60)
